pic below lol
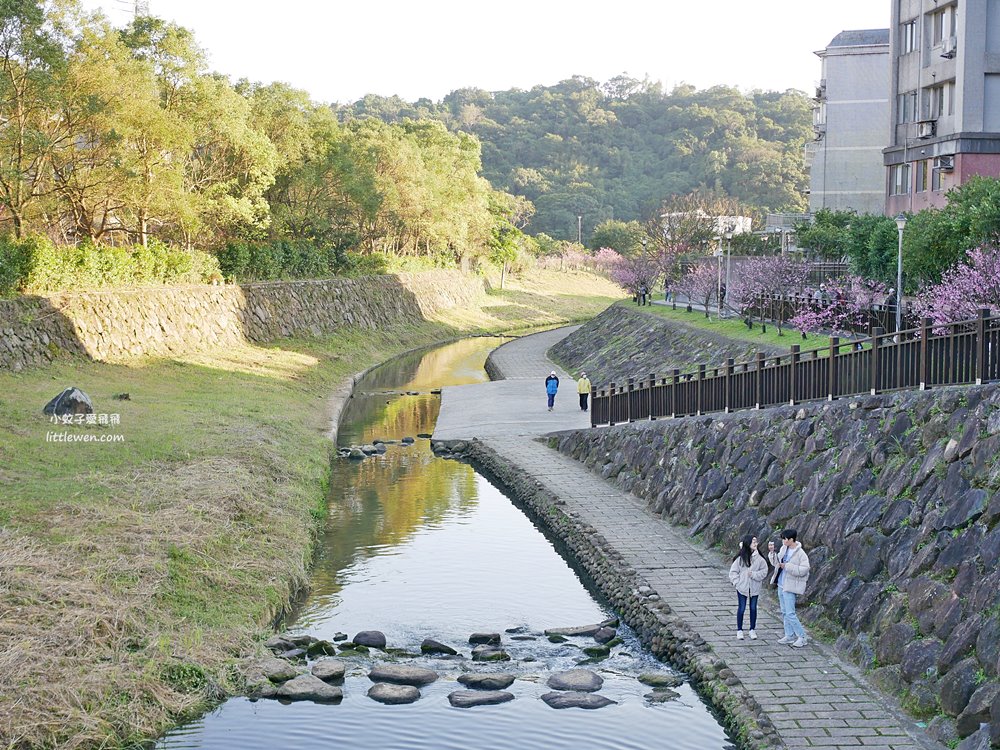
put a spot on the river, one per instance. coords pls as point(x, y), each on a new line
point(418, 546)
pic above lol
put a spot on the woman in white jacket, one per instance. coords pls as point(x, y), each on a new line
point(747, 574)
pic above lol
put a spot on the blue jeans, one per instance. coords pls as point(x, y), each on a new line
point(793, 628)
point(552, 400)
point(742, 607)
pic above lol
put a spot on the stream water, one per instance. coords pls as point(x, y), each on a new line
point(417, 546)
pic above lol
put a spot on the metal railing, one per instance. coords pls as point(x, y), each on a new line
point(963, 353)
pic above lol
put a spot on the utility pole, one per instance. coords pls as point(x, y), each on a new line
point(579, 230)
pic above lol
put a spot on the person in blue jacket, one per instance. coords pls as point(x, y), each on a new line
point(551, 386)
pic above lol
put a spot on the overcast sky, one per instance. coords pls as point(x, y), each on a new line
point(339, 51)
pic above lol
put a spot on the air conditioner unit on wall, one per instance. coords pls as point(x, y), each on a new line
point(949, 47)
point(944, 163)
point(926, 128)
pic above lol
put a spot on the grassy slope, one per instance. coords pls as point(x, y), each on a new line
point(132, 575)
point(734, 328)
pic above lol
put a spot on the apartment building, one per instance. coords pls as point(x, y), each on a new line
point(850, 119)
point(945, 83)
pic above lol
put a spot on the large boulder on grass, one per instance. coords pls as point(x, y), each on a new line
point(70, 401)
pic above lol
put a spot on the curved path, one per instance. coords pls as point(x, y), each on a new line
point(815, 699)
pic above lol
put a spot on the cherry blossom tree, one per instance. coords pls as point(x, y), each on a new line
point(700, 284)
point(964, 289)
point(634, 273)
point(845, 309)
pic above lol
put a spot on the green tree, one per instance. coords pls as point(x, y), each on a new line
point(624, 237)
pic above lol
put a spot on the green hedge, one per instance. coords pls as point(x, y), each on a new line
point(36, 265)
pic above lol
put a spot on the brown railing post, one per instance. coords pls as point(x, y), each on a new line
point(611, 404)
point(729, 383)
point(925, 353)
point(875, 371)
point(794, 371)
point(673, 393)
point(759, 379)
point(832, 368)
point(593, 411)
point(700, 389)
point(981, 363)
point(628, 400)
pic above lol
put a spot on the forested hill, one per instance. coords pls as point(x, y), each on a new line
point(615, 150)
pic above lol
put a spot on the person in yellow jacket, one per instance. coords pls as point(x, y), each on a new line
point(583, 388)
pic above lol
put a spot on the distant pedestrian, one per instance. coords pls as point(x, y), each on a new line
point(583, 388)
point(551, 386)
point(747, 575)
point(643, 291)
point(791, 573)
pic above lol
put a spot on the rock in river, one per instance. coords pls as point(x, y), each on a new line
point(308, 688)
point(660, 679)
point(370, 638)
point(497, 681)
point(489, 638)
point(605, 634)
point(393, 694)
point(489, 653)
point(430, 646)
point(576, 700)
point(579, 680)
point(277, 670)
point(583, 630)
point(329, 670)
point(470, 698)
point(401, 674)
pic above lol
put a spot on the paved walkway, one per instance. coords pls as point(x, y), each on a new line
point(815, 699)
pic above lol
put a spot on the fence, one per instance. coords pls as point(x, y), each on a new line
point(959, 354)
point(784, 307)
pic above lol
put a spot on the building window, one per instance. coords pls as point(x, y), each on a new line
point(907, 107)
point(899, 179)
point(907, 37)
point(923, 167)
point(936, 180)
point(944, 24)
point(940, 100)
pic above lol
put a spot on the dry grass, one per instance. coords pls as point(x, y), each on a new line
point(132, 577)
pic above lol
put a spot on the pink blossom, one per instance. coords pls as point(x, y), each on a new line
point(964, 289)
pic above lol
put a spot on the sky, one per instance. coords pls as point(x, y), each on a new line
point(339, 51)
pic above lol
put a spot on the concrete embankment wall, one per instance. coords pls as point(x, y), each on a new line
point(120, 324)
point(624, 342)
point(895, 497)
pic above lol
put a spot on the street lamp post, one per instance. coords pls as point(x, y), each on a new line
point(579, 230)
point(642, 299)
point(901, 225)
point(730, 230)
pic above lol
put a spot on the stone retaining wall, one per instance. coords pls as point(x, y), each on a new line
point(120, 324)
point(624, 342)
point(895, 497)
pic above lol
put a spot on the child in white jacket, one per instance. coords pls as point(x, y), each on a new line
point(747, 575)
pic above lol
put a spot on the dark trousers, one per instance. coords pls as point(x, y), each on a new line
point(743, 608)
point(583, 401)
point(552, 400)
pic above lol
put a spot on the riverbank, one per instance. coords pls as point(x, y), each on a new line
point(133, 575)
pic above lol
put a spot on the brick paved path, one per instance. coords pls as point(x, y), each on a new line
point(814, 698)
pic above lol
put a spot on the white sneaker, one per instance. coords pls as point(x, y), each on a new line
point(739, 635)
point(786, 640)
point(799, 642)
point(753, 635)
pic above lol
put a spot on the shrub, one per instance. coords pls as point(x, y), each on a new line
point(282, 259)
point(35, 264)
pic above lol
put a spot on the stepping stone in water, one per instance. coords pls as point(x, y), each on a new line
point(470, 698)
point(308, 688)
point(489, 653)
point(277, 670)
point(660, 679)
point(329, 670)
point(661, 695)
point(604, 635)
point(430, 646)
point(401, 674)
point(370, 638)
point(393, 695)
point(576, 700)
point(577, 680)
point(321, 648)
point(497, 681)
point(488, 638)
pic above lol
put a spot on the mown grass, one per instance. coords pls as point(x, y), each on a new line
point(735, 328)
point(133, 575)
